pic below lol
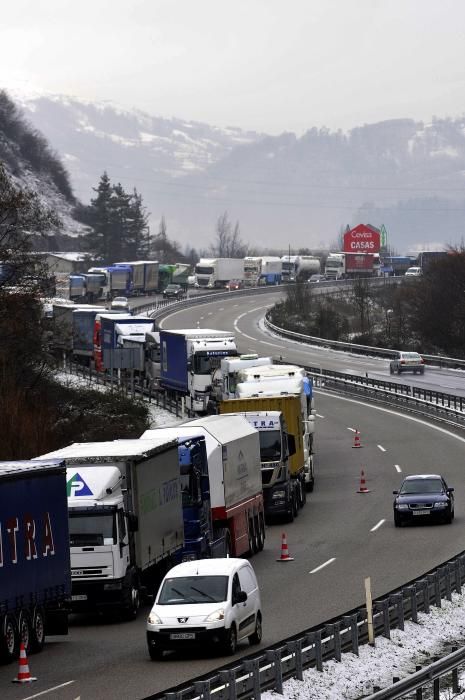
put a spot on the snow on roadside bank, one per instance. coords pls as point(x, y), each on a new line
point(355, 676)
point(159, 416)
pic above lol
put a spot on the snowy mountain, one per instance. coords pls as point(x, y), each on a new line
point(283, 190)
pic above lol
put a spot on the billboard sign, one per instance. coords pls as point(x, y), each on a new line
point(362, 239)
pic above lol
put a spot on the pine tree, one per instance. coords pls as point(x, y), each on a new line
point(138, 232)
point(100, 241)
point(120, 217)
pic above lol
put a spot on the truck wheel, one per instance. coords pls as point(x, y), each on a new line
point(252, 537)
point(227, 545)
point(38, 630)
point(295, 504)
point(261, 532)
point(133, 602)
point(290, 512)
point(9, 639)
point(24, 626)
point(230, 642)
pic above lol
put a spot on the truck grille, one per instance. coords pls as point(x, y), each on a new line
point(89, 572)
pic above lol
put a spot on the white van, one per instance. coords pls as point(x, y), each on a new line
point(413, 272)
point(206, 601)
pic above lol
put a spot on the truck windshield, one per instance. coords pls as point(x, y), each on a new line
point(203, 270)
point(288, 265)
point(194, 589)
point(91, 529)
point(206, 364)
point(270, 445)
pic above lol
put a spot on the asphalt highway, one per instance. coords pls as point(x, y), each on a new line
point(339, 537)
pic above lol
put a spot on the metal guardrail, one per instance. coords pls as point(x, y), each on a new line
point(436, 360)
point(430, 675)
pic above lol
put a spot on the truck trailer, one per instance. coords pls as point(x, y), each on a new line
point(35, 578)
point(215, 273)
point(234, 471)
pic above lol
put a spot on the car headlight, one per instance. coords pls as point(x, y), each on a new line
point(153, 619)
point(216, 616)
point(440, 504)
point(402, 506)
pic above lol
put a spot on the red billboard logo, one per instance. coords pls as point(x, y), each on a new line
point(362, 239)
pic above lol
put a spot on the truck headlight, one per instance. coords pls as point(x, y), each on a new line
point(278, 494)
point(153, 619)
point(216, 616)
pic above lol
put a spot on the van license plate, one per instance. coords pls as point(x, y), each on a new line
point(182, 635)
point(78, 597)
point(421, 512)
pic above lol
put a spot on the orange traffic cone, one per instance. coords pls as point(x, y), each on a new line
point(23, 672)
point(363, 487)
point(357, 442)
point(284, 550)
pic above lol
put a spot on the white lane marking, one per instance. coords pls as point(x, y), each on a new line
point(264, 342)
point(318, 415)
point(380, 447)
point(50, 690)
point(398, 468)
point(378, 525)
point(430, 426)
point(322, 566)
point(353, 430)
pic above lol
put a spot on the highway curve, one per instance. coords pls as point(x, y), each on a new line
point(340, 537)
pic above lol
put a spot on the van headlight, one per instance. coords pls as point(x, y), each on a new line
point(216, 616)
point(153, 619)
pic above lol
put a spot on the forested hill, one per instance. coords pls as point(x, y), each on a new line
point(32, 163)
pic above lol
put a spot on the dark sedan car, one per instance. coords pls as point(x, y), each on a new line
point(423, 496)
point(173, 291)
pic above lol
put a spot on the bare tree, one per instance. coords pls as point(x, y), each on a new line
point(228, 239)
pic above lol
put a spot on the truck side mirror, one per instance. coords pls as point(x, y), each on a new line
point(133, 522)
point(291, 444)
point(189, 365)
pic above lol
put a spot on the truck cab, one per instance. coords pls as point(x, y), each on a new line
point(335, 266)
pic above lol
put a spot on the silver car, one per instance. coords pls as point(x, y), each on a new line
point(407, 362)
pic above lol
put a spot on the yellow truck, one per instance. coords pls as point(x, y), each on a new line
point(279, 423)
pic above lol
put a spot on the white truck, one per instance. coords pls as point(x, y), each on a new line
point(189, 358)
point(281, 380)
point(352, 265)
point(125, 519)
point(265, 269)
point(290, 268)
point(308, 265)
point(225, 377)
point(215, 273)
point(234, 471)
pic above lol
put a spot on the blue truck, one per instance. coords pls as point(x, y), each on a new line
point(35, 575)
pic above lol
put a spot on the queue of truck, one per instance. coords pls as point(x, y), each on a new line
point(204, 488)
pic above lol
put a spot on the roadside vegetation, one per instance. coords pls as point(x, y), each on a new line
point(425, 314)
point(37, 414)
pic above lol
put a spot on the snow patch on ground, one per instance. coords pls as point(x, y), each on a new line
point(159, 416)
point(355, 676)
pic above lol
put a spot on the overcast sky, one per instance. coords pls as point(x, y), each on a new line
point(267, 65)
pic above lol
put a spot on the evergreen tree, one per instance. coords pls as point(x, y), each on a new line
point(120, 220)
point(100, 241)
point(138, 233)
